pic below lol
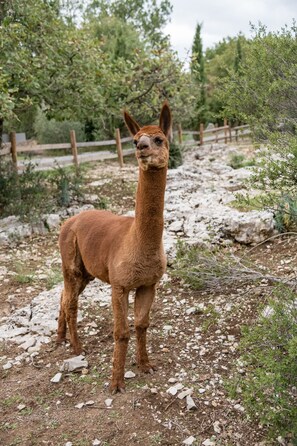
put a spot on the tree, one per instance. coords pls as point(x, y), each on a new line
point(198, 73)
point(263, 94)
point(146, 16)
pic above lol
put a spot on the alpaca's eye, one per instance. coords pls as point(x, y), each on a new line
point(158, 141)
point(135, 142)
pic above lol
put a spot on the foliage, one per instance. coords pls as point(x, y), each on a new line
point(175, 155)
point(198, 73)
point(238, 160)
point(205, 268)
point(263, 94)
point(269, 349)
point(31, 194)
point(146, 16)
point(50, 131)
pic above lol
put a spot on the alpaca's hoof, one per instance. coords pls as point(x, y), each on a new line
point(61, 340)
point(117, 387)
point(147, 367)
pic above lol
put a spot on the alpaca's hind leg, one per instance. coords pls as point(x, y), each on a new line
point(68, 311)
point(121, 337)
point(62, 324)
point(143, 301)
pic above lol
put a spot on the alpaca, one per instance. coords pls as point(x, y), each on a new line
point(125, 252)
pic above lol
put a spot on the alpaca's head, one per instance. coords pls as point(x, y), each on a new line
point(151, 142)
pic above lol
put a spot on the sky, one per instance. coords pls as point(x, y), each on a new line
point(224, 18)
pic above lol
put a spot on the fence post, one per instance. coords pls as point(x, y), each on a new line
point(230, 133)
point(217, 133)
point(180, 134)
point(14, 150)
point(119, 147)
point(201, 130)
point(225, 130)
point(74, 148)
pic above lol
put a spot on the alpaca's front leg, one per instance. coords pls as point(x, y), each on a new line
point(143, 301)
point(121, 337)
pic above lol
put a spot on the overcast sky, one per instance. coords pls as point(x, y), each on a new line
point(224, 18)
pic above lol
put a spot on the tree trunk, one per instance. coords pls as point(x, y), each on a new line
point(1, 131)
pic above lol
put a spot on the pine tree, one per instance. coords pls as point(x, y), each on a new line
point(198, 72)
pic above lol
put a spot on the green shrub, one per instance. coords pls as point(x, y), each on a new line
point(238, 160)
point(55, 132)
point(175, 155)
point(268, 388)
point(24, 195)
point(33, 193)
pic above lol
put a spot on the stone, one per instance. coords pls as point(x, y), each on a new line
point(74, 364)
point(79, 405)
point(57, 378)
point(129, 374)
point(184, 393)
point(29, 343)
point(52, 221)
point(90, 403)
point(217, 427)
point(108, 402)
point(96, 442)
point(190, 403)
point(7, 366)
point(190, 440)
point(21, 407)
point(174, 389)
point(208, 442)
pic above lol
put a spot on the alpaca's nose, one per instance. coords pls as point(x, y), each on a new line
point(143, 143)
point(142, 146)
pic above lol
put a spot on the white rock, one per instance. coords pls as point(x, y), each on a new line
point(208, 442)
point(7, 366)
point(57, 378)
point(108, 402)
point(190, 440)
point(68, 443)
point(79, 405)
point(201, 391)
point(172, 380)
point(90, 403)
point(174, 389)
point(167, 328)
point(74, 364)
point(190, 403)
point(21, 406)
point(184, 393)
point(217, 427)
point(96, 442)
point(129, 374)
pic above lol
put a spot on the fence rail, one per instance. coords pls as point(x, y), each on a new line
point(208, 135)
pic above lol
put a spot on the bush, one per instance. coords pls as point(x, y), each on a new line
point(24, 195)
point(175, 155)
point(33, 193)
point(269, 350)
point(55, 132)
point(238, 160)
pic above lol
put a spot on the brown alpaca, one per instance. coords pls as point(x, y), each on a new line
point(124, 251)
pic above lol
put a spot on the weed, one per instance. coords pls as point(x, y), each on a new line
point(12, 400)
point(268, 351)
point(212, 317)
point(54, 277)
point(23, 274)
point(238, 160)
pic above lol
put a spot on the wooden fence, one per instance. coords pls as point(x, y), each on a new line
point(215, 134)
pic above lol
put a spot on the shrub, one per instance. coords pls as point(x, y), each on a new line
point(175, 155)
point(238, 160)
point(55, 132)
point(269, 349)
point(24, 195)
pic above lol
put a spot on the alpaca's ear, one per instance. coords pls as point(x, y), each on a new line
point(165, 121)
point(132, 125)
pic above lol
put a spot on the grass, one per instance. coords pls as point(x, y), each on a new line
point(54, 277)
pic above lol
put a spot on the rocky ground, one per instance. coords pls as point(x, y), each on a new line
point(193, 336)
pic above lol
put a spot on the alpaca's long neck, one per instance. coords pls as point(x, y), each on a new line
point(149, 207)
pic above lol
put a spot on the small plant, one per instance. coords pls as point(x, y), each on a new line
point(67, 184)
point(269, 350)
point(200, 267)
point(54, 277)
point(175, 155)
point(286, 214)
point(238, 160)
